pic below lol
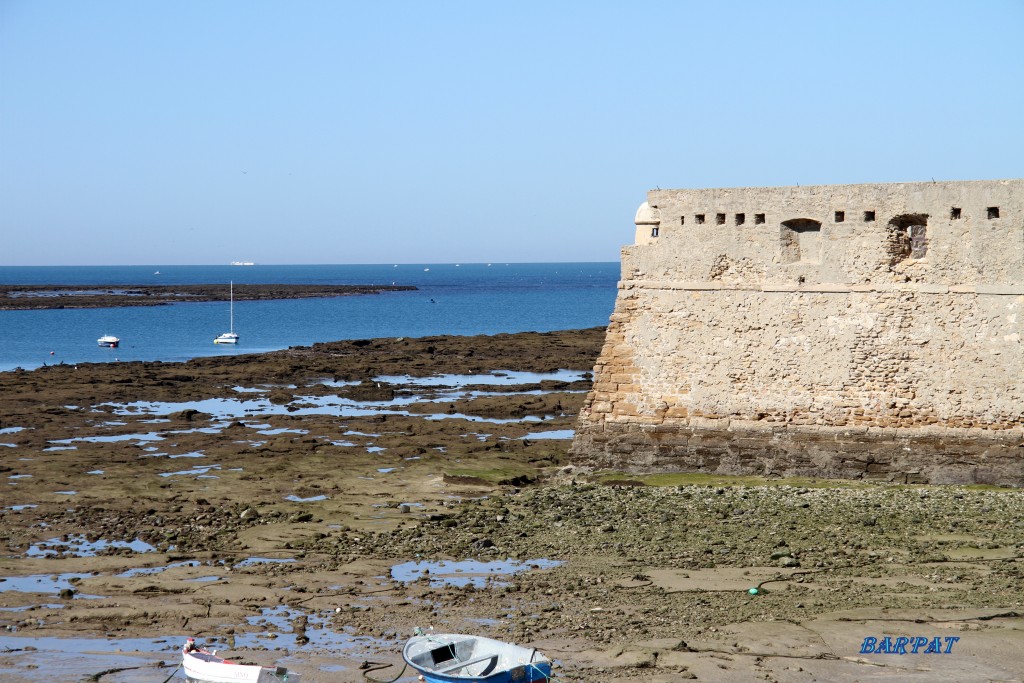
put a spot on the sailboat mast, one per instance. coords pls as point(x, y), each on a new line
point(231, 307)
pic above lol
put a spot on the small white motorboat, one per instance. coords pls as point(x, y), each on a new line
point(109, 341)
point(202, 666)
point(455, 658)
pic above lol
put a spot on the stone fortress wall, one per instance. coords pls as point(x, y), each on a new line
point(854, 331)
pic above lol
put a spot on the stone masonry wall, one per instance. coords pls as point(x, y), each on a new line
point(842, 331)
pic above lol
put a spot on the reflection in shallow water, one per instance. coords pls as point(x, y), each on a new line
point(74, 659)
point(198, 471)
point(466, 572)
point(496, 378)
point(40, 583)
point(249, 562)
point(553, 434)
point(148, 571)
point(78, 545)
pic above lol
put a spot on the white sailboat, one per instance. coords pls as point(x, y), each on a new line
point(229, 337)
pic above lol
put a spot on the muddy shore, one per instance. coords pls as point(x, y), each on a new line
point(35, 297)
point(306, 507)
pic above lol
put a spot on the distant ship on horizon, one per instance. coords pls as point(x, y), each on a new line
point(242, 263)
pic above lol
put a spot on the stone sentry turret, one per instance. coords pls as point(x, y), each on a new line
point(849, 331)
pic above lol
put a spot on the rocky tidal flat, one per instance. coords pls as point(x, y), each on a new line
point(25, 297)
point(311, 506)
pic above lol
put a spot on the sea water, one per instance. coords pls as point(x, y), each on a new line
point(460, 299)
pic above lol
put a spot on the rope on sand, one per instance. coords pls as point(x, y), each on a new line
point(368, 666)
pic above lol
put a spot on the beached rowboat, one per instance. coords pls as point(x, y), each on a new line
point(202, 666)
point(456, 658)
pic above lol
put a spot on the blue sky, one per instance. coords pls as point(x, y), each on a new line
point(192, 132)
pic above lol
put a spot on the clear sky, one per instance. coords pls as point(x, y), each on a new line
point(308, 131)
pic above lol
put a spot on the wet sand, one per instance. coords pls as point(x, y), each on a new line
point(312, 506)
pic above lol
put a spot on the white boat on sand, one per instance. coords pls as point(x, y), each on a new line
point(454, 658)
point(229, 337)
point(202, 666)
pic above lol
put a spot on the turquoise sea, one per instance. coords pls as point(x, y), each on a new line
point(463, 299)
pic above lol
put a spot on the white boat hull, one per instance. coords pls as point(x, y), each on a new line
point(201, 666)
point(455, 658)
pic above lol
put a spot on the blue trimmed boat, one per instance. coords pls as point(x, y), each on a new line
point(457, 658)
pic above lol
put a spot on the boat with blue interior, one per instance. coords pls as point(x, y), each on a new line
point(457, 658)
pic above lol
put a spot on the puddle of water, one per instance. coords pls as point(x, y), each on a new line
point(335, 383)
point(295, 499)
point(497, 378)
point(95, 472)
point(490, 420)
point(203, 579)
point(283, 430)
point(466, 572)
point(386, 470)
point(148, 571)
point(26, 608)
point(252, 561)
point(79, 546)
point(66, 493)
point(9, 445)
point(198, 472)
point(61, 448)
point(51, 584)
point(249, 390)
point(274, 626)
point(375, 449)
point(215, 429)
point(73, 659)
point(234, 409)
point(20, 476)
point(151, 436)
point(554, 434)
point(11, 430)
point(193, 454)
point(19, 508)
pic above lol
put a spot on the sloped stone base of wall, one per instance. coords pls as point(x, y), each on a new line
point(938, 456)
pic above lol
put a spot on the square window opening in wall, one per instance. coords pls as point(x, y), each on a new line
point(758, 219)
point(840, 216)
point(741, 218)
point(954, 213)
point(720, 219)
point(993, 212)
point(869, 216)
point(698, 219)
